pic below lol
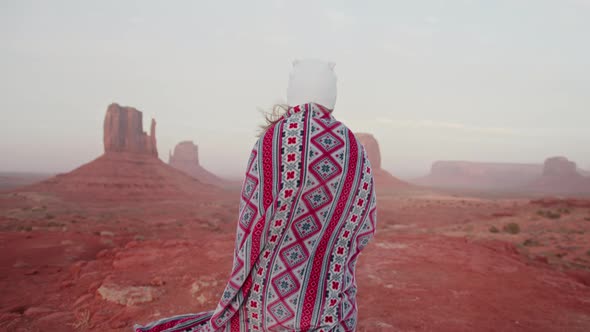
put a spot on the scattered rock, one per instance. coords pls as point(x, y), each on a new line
point(20, 264)
point(57, 316)
point(107, 233)
point(32, 272)
point(35, 311)
point(157, 281)
point(82, 299)
point(128, 295)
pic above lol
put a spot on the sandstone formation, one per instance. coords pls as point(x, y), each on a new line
point(128, 170)
point(186, 159)
point(123, 132)
point(383, 179)
point(560, 176)
point(559, 166)
point(372, 147)
point(479, 175)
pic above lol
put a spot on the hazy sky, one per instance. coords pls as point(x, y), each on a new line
point(502, 80)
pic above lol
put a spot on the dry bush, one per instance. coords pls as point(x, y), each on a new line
point(531, 243)
point(511, 228)
point(494, 229)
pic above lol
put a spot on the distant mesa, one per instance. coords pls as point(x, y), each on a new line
point(479, 175)
point(186, 159)
point(560, 176)
point(129, 169)
point(559, 167)
point(383, 179)
point(123, 132)
point(557, 175)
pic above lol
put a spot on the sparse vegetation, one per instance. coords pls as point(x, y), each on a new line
point(552, 215)
point(511, 228)
point(531, 243)
point(82, 321)
point(494, 229)
point(588, 252)
point(24, 228)
point(587, 218)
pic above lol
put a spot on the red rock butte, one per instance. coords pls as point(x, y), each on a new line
point(560, 176)
point(129, 169)
point(186, 159)
point(123, 132)
point(383, 178)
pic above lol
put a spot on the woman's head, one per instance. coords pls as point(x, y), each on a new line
point(312, 81)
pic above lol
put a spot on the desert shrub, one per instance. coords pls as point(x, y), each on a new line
point(588, 252)
point(25, 228)
point(530, 243)
point(587, 218)
point(49, 216)
point(552, 215)
point(511, 228)
point(541, 212)
point(494, 229)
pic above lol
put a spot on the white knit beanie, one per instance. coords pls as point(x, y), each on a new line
point(312, 81)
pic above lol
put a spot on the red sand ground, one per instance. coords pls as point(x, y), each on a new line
point(433, 266)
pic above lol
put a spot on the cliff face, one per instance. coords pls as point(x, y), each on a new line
point(372, 147)
point(123, 132)
point(383, 179)
point(186, 159)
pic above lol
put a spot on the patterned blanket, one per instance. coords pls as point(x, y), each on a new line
point(307, 209)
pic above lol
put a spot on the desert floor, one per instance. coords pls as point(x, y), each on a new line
point(439, 262)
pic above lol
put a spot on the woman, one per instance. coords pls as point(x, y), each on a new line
point(307, 209)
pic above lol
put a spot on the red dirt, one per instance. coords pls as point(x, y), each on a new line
point(433, 266)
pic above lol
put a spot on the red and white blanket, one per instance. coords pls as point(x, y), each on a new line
point(308, 208)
